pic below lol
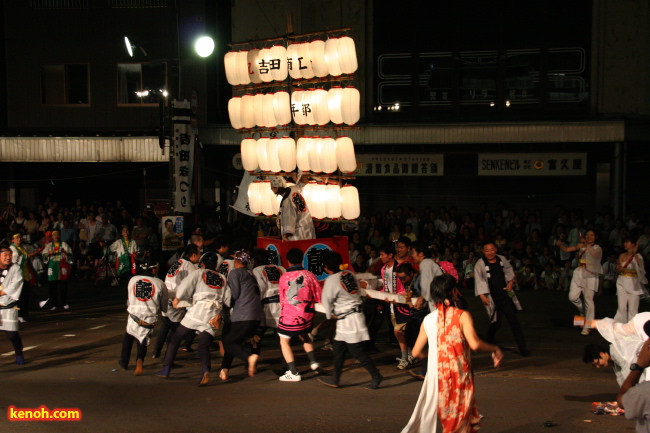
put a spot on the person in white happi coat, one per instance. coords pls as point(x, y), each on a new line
point(342, 301)
point(22, 258)
point(147, 296)
point(268, 279)
point(176, 273)
point(585, 278)
point(630, 282)
point(208, 292)
point(11, 285)
point(57, 256)
point(294, 219)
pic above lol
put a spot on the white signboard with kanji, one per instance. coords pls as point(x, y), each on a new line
point(532, 164)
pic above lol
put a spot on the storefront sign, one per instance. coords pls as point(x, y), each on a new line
point(400, 165)
point(532, 164)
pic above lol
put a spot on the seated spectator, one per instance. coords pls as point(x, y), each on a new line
point(550, 278)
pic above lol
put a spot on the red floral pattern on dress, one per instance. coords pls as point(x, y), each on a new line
point(456, 405)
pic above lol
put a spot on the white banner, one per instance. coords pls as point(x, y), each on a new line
point(241, 204)
point(184, 140)
point(532, 164)
point(400, 165)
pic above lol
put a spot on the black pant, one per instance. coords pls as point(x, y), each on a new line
point(58, 294)
point(234, 334)
point(505, 307)
point(183, 333)
point(340, 348)
point(127, 345)
point(16, 342)
point(23, 300)
point(166, 326)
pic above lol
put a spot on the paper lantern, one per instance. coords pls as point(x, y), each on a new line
point(319, 107)
point(304, 59)
point(347, 55)
point(333, 201)
point(299, 116)
point(318, 196)
point(312, 154)
point(254, 198)
point(264, 65)
point(269, 113)
point(258, 109)
point(287, 154)
point(243, 77)
point(307, 193)
point(351, 105)
point(249, 154)
point(350, 207)
point(277, 202)
point(234, 112)
point(345, 157)
point(268, 197)
point(332, 56)
point(248, 111)
point(302, 153)
point(230, 62)
point(272, 153)
point(254, 69)
point(292, 59)
point(282, 107)
point(334, 98)
point(327, 155)
point(317, 53)
point(262, 154)
point(307, 107)
point(279, 55)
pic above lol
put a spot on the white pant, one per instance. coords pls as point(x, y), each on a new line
point(629, 295)
point(586, 284)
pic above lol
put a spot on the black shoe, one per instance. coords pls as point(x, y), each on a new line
point(525, 353)
point(123, 364)
point(416, 374)
point(374, 383)
point(329, 381)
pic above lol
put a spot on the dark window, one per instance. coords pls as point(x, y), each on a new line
point(65, 84)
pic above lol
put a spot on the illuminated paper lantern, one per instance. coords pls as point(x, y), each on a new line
point(277, 202)
point(299, 116)
point(269, 113)
point(345, 157)
point(268, 197)
point(307, 107)
point(293, 62)
point(249, 154)
point(258, 109)
point(264, 65)
point(279, 58)
point(243, 77)
point(287, 154)
point(347, 55)
point(332, 56)
point(234, 112)
point(319, 106)
point(313, 154)
point(350, 207)
point(317, 53)
point(327, 155)
point(351, 105)
point(230, 62)
point(318, 196)
point(304, 58)
point(307, 191)
point(302, 153)
point(248, 111)
point(333, 201)
point(254, 198)
point(282, 107)
point(272, 152)
point(254, 70)
point(334, 98)
point(262, 154)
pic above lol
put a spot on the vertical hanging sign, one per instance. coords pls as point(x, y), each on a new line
point(183, 155)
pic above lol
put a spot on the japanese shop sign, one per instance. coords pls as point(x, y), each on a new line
point(185, 136)
point(400, 165)
point(532, 164)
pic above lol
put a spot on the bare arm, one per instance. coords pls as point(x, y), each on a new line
point(475, 343)
point(418, 349)
point(633, 378)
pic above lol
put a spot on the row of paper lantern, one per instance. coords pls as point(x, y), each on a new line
point(301, 60)
point(323, 201)
point(316, 154)
point(309, 107)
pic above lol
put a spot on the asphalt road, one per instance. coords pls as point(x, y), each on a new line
point(72, 363)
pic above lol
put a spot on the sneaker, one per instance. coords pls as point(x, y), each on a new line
point(66, 307)
point(327, 347)
point(20, 360)
point(42, 303)
point(315, 366)
point(412, 360)
point(403, 363)
point(290, 377)
point(585, 331)
point(418, 374)
point(21, 320)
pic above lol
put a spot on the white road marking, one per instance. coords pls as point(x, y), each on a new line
point(97, 327)
point(69, 335)
point(25, 349)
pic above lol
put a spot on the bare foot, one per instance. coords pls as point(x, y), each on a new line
point(223, 374)
point(252, 365)
point(138, 368)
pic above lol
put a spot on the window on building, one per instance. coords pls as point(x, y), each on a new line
point(65, 84)
point(141, 83)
